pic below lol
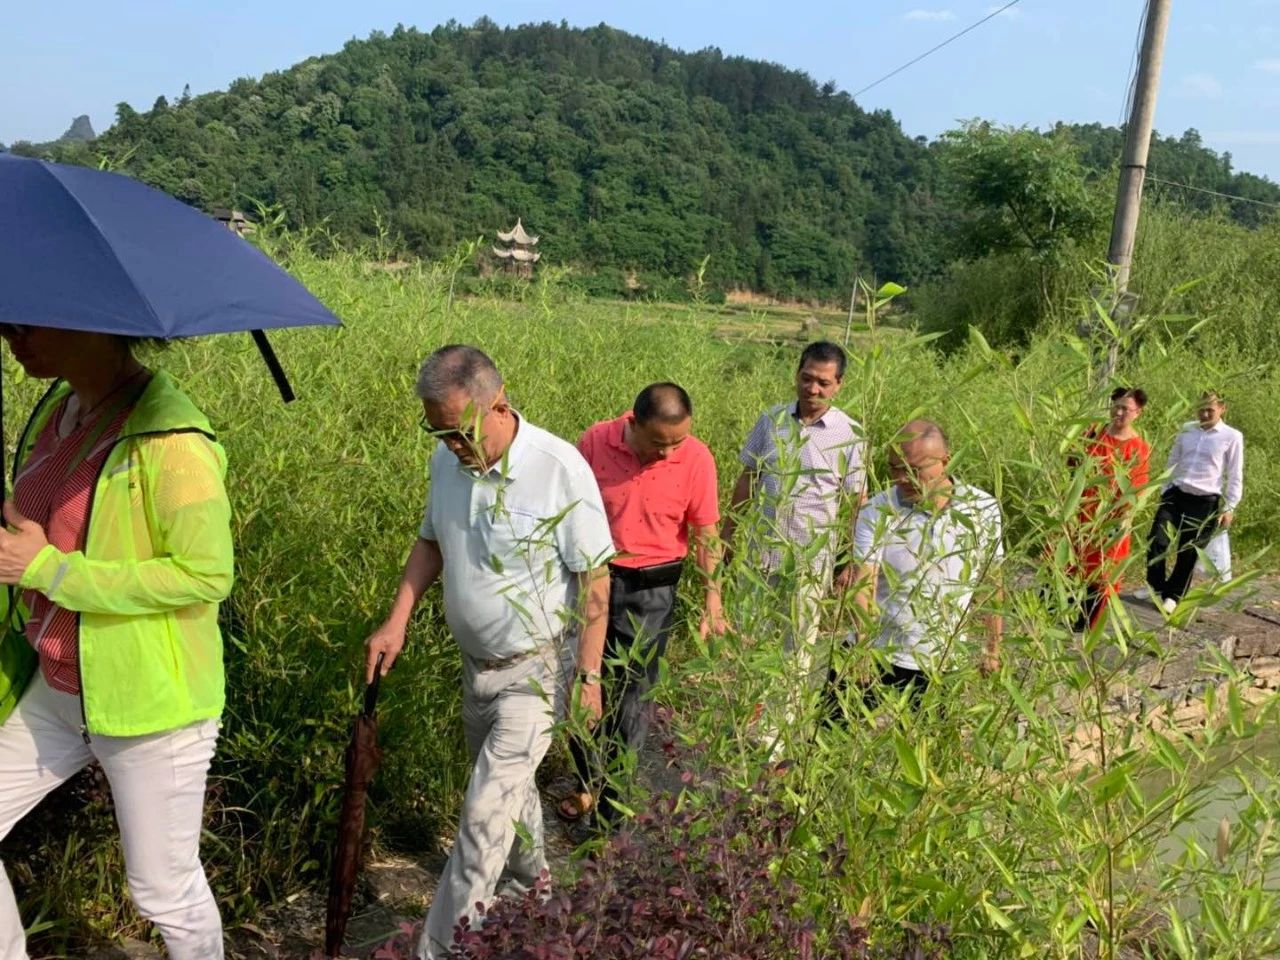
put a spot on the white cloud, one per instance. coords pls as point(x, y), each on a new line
point(1268, 66)
point(928, 15)
point(1201, 86)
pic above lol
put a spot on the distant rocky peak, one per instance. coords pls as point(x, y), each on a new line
point(79, 131)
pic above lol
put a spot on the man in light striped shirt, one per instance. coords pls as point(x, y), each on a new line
point(1206, 466)
point(804, 463)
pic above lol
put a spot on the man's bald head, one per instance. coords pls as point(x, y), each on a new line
point(666, 402)
point(918, 460)
point(924, 437)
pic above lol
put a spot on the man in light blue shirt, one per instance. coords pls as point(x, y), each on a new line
point(515, 528)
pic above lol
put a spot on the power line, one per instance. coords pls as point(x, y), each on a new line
point(1133, 64)
point(1214, 193)
point(932, 50)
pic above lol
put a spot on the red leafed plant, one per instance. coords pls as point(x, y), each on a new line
point(687, 881)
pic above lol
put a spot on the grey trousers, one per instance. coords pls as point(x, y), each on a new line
point(793, 606)
point(507, 716)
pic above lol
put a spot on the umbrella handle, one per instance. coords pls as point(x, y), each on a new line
point(371, 691)
point(273, 364)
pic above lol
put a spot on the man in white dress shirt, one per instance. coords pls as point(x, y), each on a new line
point(515, 526)
point(1206, 482)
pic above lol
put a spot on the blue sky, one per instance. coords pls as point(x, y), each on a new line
point(1041, 61)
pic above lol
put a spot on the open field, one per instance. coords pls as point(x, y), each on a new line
point(953, 823)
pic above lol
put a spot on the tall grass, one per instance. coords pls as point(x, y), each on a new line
point(1186, 268)
point(327, 495)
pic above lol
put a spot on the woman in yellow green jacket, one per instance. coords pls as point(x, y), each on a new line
point(117, 550)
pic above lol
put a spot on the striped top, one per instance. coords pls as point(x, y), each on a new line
point(804, 470)
point(54, 488)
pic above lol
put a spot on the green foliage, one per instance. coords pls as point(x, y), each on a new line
point(1024, 191)
point(964, 823)
point(622, 152)
point(1178, 162)
point(1187, 268)
point(632, 157)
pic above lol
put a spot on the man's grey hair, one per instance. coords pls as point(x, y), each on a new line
point(924, 430)
point(459, 367)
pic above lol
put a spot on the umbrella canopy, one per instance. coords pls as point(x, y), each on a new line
point(362, 759)
point(84, 249)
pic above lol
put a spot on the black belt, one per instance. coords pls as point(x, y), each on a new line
point(1197, 496)
point(644, 578)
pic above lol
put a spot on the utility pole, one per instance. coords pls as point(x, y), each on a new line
point(1133, 169)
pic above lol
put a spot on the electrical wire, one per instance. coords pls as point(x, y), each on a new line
point(932, 50)
point(1213, 193)
point(1133, 65)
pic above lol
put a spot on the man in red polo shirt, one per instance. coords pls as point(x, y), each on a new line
point(659, 489)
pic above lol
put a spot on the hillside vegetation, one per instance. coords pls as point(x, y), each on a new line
point(624, 153)
point(327, 494)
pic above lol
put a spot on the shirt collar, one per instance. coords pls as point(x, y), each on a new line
point(913, 506)
point(508, 464)
point(820, 422)
point(617, 435)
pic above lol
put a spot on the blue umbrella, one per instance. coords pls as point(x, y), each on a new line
point(84, 249)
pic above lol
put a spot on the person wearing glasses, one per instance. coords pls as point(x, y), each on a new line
point(924, 549)
point(117, 551)
point(660, 493)
point(515, 529)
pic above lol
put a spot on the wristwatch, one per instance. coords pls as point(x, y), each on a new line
point(588, 676)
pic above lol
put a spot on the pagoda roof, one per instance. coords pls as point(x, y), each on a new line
point(517, 235)
point(522, 256)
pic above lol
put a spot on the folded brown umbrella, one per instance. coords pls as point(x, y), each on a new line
point(363, 756)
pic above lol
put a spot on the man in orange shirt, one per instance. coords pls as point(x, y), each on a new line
point(659, 489)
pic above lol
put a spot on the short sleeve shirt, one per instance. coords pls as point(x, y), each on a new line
point(804, 469)
point(929, 564)
point(512, 541)
point(651, 506)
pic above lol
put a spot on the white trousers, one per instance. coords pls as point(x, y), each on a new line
point(157, 786)
point(507, 717)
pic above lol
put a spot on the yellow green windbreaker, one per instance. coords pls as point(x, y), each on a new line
point(157, 560)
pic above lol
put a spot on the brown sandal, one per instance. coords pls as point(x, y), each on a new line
point(572, 807)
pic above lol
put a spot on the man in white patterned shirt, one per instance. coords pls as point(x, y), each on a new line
point(924, 547)
point(805, 461)
point(1206, 466)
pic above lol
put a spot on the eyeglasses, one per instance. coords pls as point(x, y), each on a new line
point(14, 329)
point(467, 435)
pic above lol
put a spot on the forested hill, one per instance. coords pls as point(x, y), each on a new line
point(618, 150)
